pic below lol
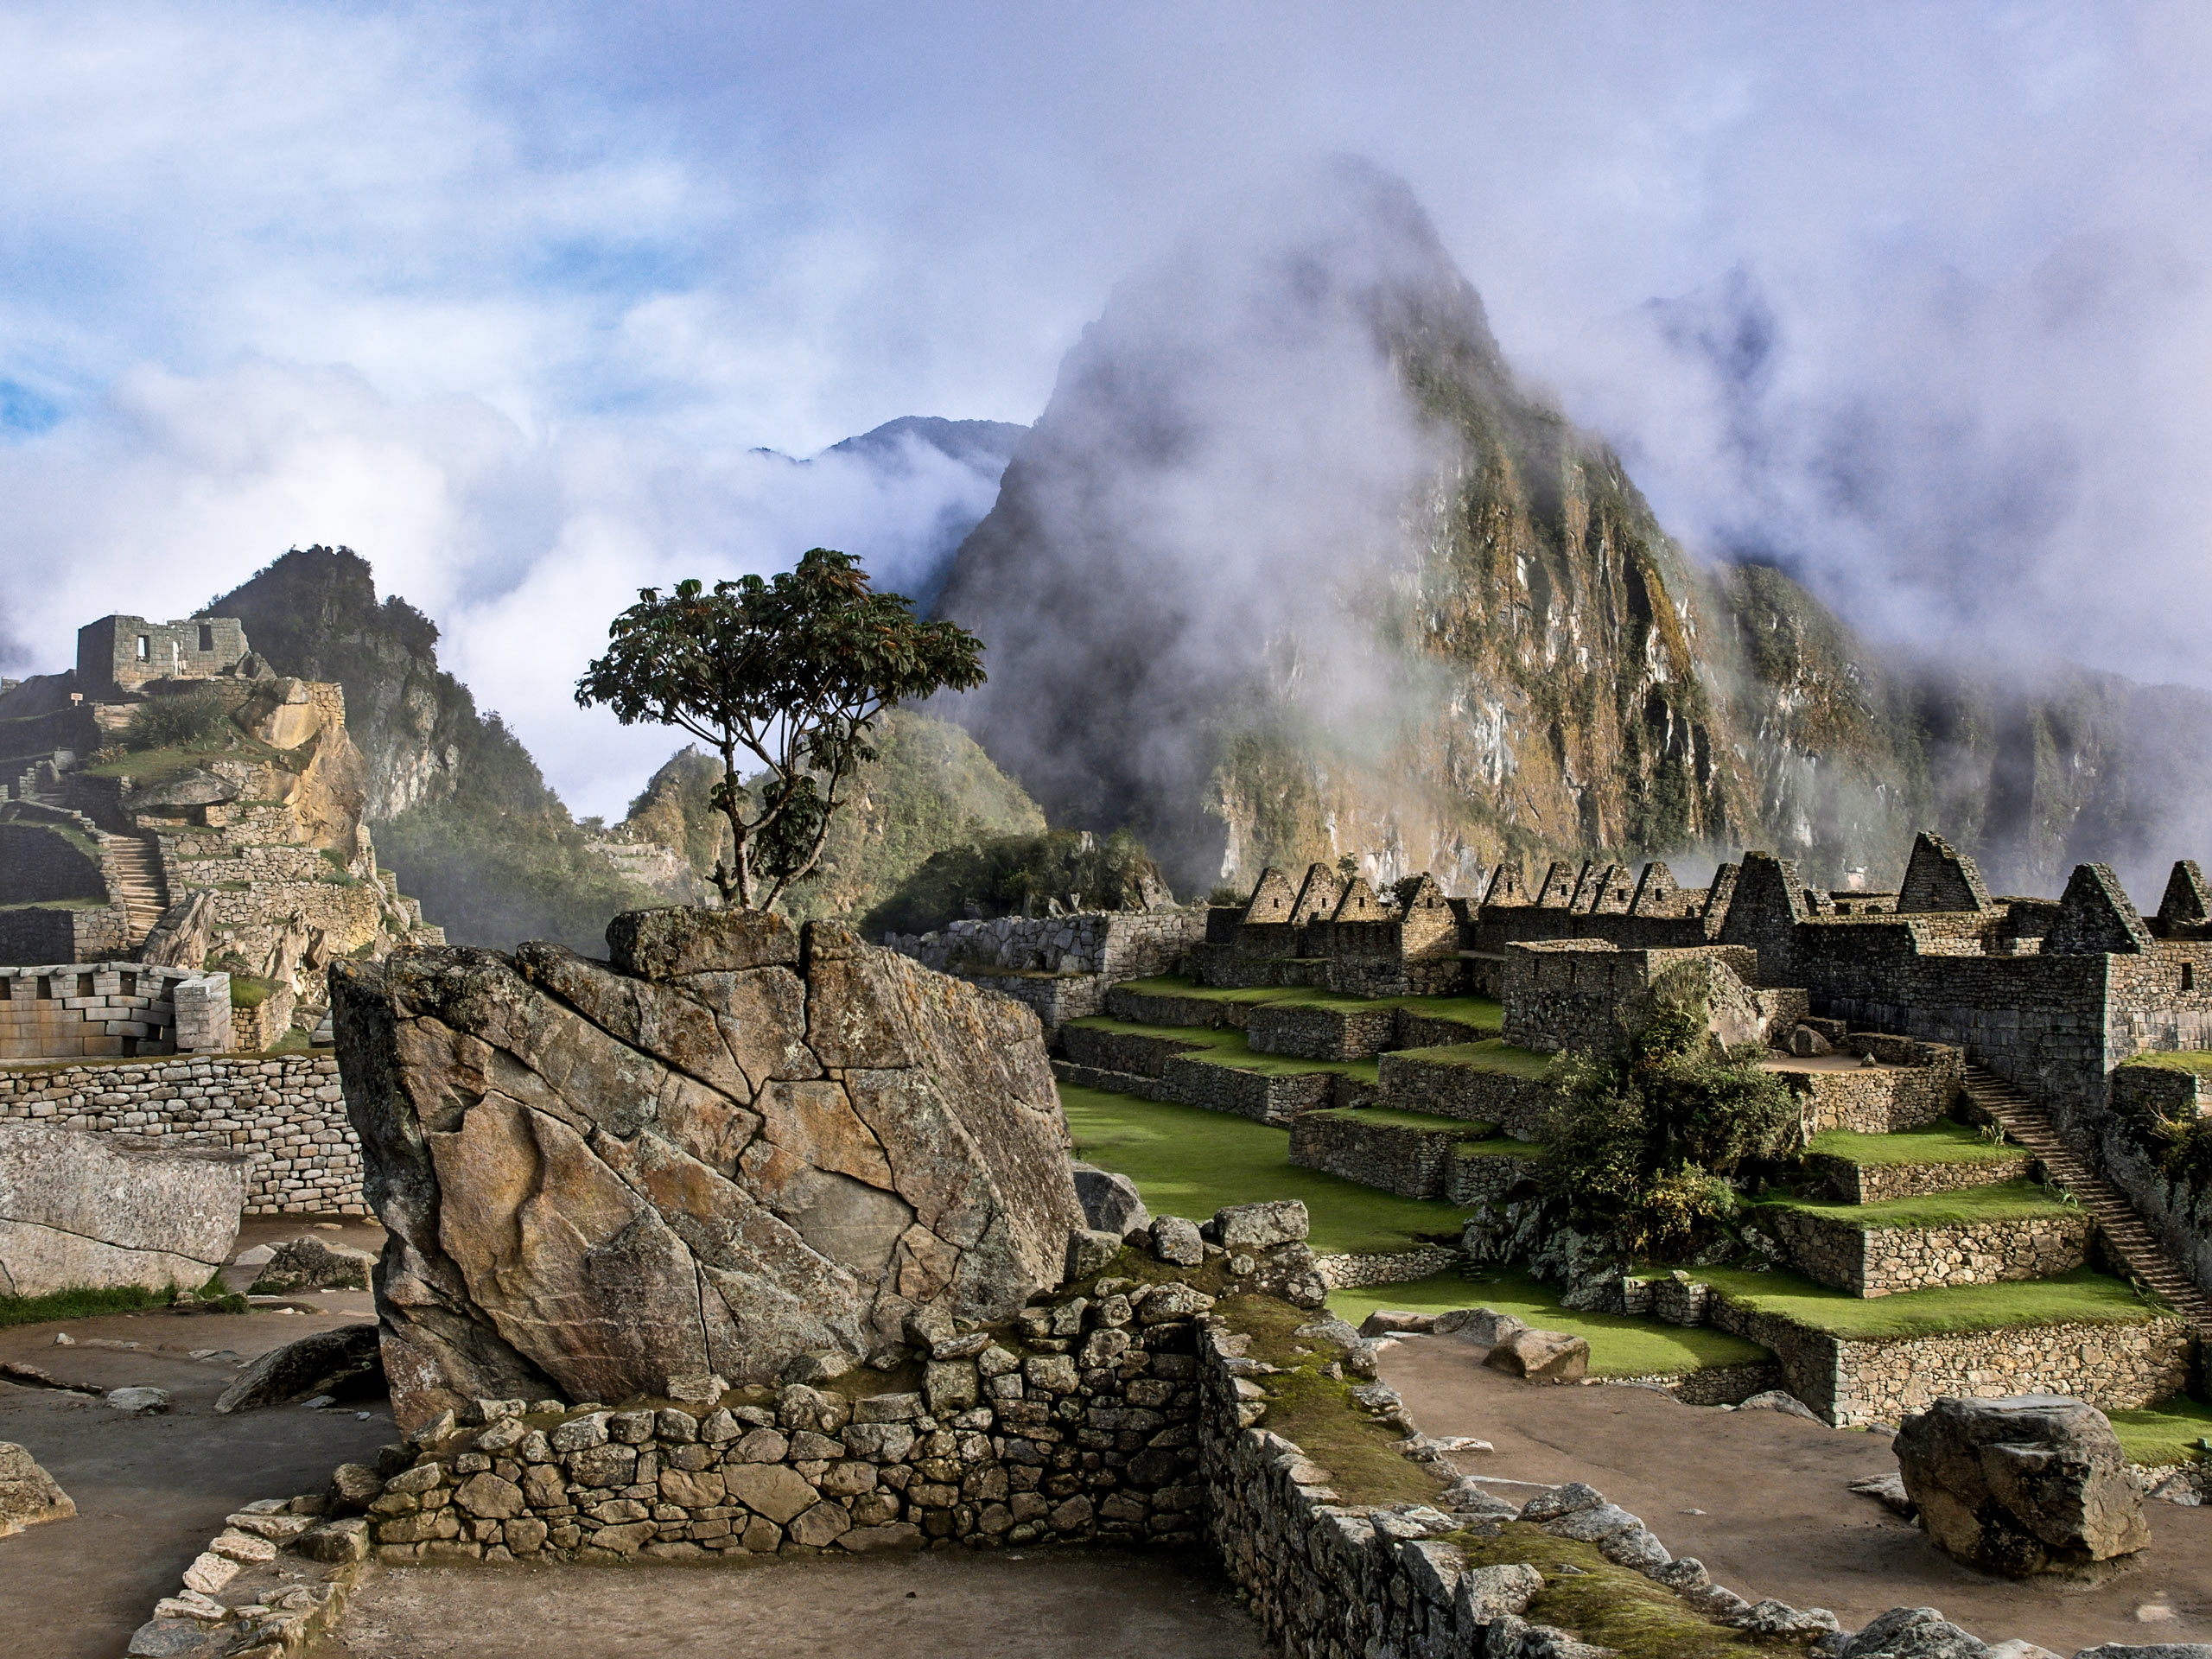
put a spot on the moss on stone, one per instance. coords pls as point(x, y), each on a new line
point(1939, 1143)
point(1612, 1606)
point(2196, 1061)
point(1964, 1207)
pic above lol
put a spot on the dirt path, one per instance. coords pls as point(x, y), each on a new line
point(944, 1604)
point(151, 1491)
point(1761, 1498)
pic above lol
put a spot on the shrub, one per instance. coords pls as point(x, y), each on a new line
point(190, 720)
point(1642, 1133)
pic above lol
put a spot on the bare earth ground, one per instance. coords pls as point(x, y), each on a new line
point(945, 1604)
point(151, 1491)
point(1761, 1497)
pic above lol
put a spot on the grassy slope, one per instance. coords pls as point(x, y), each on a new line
point(1619, 1346)
point(1473, 1010)
point(2081, 1297)
point(1389, 1117)
point(2163, 1433)
point(2195, 1060)
point(1190, 1162)
point(1225, 1046)
point(1493, 1054)
point(2008, 1201)
point(1939, 1143)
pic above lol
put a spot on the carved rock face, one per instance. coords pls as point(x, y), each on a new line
point(2035, 1483)
point(594, 1180)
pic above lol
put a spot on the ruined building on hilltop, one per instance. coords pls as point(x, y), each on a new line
point(172, 803)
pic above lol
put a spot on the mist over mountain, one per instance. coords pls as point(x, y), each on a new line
point(1293, 565)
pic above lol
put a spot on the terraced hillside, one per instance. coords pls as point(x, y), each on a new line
point(1916, 1257)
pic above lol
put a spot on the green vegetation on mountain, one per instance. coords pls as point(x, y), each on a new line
point(460, 810)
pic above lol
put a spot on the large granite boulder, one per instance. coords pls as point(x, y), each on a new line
point(732, 1145)
point(2033, 1483)
point(80, 1210)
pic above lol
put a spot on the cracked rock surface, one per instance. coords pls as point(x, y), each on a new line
point(734, 1144)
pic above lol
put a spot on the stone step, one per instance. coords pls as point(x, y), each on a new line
point(2126, 1235)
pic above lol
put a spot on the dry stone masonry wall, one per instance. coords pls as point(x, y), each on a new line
point(1883, 1260)
point(289, 1113)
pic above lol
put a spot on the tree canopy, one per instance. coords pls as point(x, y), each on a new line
point(792, 671)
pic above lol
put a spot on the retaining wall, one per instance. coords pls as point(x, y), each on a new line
point(288, 1112)
point(1415, 1080)
point(1412, 1162)
point(1853, 1382)
point(1847, 1182)
point(76, 1010)
point(1883, 1260)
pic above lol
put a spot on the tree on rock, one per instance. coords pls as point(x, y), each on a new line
point(794, 671)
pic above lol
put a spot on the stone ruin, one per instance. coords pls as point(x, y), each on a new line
point(734, 1146)
point(254, 858)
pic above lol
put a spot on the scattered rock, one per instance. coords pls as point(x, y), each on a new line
point(1483, 1324)
point(1556, 1501)
point(179, 1638)
point(1781, 1400)
point(1772, 1618)
point(1805, 1042)
point(1260, 1226)
point(326, 1362)
point(335, 1542)
point(2149, 1651)
point(1541, 1355)
point(209, 1573)
point(1089, 1251)
point(2177, 1489)
point(1176, 1242)
point(96, 1212)
point(310, 1264)
point(1110, 1203)
point(2018, 1649)
point(696, 1388)
point(1484, 1593)
point(824, 1365)
point(2029, 1483)
point(1393, 1321)
point(1889, 1489)
point(1914, 1633)
point(139, 1403)
point(28, 1496)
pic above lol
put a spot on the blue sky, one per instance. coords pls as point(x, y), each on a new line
point(504, 297)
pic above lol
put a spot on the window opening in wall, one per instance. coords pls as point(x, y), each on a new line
point(7, 990)
point(45, 987)
point(206, 637)
point(2187, 977)
point(145, 648)
point(84, 984)
point(129, 1048)
point(131, 984)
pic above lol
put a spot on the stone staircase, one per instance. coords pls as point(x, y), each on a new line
point(135, 876)
point(2125, 1233)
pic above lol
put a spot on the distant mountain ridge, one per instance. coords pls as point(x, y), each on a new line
point(1189, 634)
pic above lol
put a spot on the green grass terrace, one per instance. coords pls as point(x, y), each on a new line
point(1187, 1161)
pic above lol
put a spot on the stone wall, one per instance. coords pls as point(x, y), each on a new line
point(1414, 1161)
point(288, 1112)
point(58, 933)
point(1321, 1030)
point(38, 864)
point(1847, 1182)
point(92, 1010)
point(1908, 1093)
point(1565, 994)
point(1270, 1098)
point(1850, 1383)
point(1415, 1080)
point(1491, 1178)
point(1120, 945)
point(1883, 1260)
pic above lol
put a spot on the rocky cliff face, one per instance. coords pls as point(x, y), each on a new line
point(1292, 566)
point(735, 1145)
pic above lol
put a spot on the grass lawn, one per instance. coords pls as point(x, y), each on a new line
point(1187, 1161)
point(1190, 1036)
point(1390, 1118)
point(1471, 1010)
point(1504, 1146)
point(1619, 1346)
point(2081, 1297)
point(1492, 1054)
point(2166, 1433)
point(1225, 1046)
point(2007, 1201)
point(1939, 1143)
point(90, 1304)
point(2197, 1060)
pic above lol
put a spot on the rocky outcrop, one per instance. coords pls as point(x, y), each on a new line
point(2034, 1482)
point(323, 1361)
point(731, 1145)
point(28, 1495)
point(87, 1210)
